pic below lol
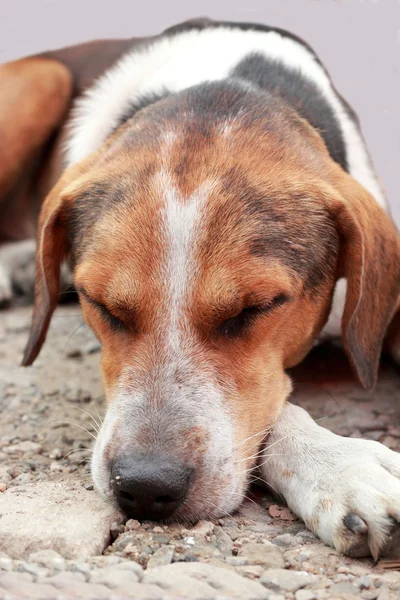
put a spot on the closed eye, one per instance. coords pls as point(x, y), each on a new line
point(235, 326)
point(107, 316)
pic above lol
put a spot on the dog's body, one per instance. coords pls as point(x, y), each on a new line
point(214, 190)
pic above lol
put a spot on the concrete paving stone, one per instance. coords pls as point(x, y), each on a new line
point(14, 583)
point(113, 577)
point(139, 591)
point(266, 554)
point(202, 580)
point(65, 579)
point(12, 576)
point(49, 559)
point(85, 590)
point(68, 519)
point(130, 565)
point(180, 585)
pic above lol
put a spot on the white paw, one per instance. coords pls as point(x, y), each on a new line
point(17, 270)
point(356, 506)
point(5, 287)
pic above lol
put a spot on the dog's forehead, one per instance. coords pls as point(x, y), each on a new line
point(220, 195)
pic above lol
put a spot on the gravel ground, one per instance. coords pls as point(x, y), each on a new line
point(48, 419)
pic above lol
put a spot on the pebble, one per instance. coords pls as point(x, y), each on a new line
point(342, 588)
point(49, 559)
point(281, 512)
point(283, 579)
point(161, 538)
point(250, 571)
point(82, 567)
point(56, 454)
point(202, 528)
point(370, 594)
point(92, 347)
point(223, 541)
point(306, 595)
point(74, 353)
point(162, 556)
point(36, 570)
point(286, 540)
point(363, 583)
point(6, 563)
point(266, 554)
point(101, 562)
point(132, 525)
point(56, 467)
point(23, 448)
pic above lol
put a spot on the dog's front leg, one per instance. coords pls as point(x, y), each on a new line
point(346, 490)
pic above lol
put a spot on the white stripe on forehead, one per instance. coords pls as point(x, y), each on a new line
point(182, 220)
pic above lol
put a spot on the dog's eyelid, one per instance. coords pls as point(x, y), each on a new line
point(277, 301)
point(237, 324)
point(103, 309)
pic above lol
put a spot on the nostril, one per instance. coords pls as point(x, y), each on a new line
point(165, 499)
point(126, 495)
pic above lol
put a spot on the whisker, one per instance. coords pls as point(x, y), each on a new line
point(256, 466)
point(262, 432)
point(72, 334)
point(278, 441)
point(76, 425)
point(77, 450)
point(90, 415)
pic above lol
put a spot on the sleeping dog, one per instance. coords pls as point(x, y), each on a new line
point(216, 201)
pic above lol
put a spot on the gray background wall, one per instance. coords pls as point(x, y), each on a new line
point(358, 40)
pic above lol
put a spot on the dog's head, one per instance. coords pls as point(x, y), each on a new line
point(206, 236)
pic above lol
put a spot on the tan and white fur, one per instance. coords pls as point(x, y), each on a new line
point(187, 197)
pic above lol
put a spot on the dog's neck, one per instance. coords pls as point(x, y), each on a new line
point(171, 64)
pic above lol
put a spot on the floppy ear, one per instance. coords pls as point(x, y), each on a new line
point(51, 251)
point(370, 261)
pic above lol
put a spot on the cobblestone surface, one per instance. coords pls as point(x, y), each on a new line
point(48, 416)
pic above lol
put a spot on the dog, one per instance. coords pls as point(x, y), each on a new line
point(220, 212)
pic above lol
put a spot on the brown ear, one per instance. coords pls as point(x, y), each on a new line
point(51, 250)
point(370, 261)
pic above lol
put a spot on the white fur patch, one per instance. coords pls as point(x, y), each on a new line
point(182, 221)
point(325, 477)
point(175, 63)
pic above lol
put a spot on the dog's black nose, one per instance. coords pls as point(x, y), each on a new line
point(149, 488)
